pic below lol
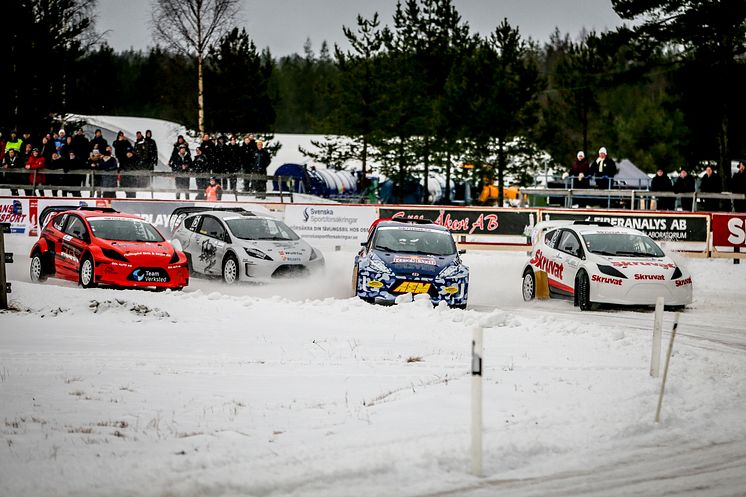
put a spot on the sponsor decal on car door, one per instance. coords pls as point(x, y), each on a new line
point(569, 255)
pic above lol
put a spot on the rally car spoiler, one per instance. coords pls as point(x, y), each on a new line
point(50, 210)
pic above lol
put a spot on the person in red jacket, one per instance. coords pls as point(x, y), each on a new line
point(34, 162)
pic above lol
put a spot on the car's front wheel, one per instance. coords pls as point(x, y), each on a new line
point(87, 272)
point(528, 288)
point(230, 269)
point(36, 270)
point(583, 292)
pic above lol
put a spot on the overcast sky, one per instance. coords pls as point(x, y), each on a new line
point(284, 25)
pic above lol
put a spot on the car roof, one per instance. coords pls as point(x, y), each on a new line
point(596, 229)
point(231, 214)
point(408, 225)
point(102, 213)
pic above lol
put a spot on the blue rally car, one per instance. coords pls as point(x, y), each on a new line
point(404, 256)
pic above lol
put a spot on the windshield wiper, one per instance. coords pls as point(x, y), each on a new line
point(630, 253)
point(603, 252)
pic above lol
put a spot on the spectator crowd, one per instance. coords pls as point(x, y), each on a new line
point(57, 159)
point(604, 169)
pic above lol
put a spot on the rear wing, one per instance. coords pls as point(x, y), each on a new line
point(48, 212)
point(535, 232)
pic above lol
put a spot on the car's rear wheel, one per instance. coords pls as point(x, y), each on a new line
point(87, 272)
point(528, 288)
point(230, 269)
point(583, 292)
point(36, 270)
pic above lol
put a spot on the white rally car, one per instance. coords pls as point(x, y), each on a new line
point(240, 245)
point(595, 263)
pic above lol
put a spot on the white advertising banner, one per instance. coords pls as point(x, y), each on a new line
point(15, 212)
point(337, 224)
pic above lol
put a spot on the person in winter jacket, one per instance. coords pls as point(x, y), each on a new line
point(13, 142)
point(248, 159)
point(710, 183)
point(182, 163)
point(662, 183)
point(603, 169)
point(35, 162)
point(55, 180)
point(80, 144)
point(232, 158)
point(685, 184)
point(213, 191)
point(120, 146)
point(262, 163)
point(98, 142)
point(201, 168)
point(60, 140)
point(12, 165)
point(579, 165)
point(74, 163)
point(108, 164)
point(738, 185)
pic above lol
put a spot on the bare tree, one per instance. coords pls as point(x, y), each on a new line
point(192, 27)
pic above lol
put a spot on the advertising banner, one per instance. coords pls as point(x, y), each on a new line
point(662, 226)
point(15, 211)
point(343, 224)
point(470, 221)
point(729, 230)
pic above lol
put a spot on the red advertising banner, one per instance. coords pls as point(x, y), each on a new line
point(729, 230)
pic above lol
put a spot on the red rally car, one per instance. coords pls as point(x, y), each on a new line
point(101, 246)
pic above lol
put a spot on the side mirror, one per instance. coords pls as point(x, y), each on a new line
point(363, 244)
point(462, 251)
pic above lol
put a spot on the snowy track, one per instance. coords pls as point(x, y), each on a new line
point(235, 391)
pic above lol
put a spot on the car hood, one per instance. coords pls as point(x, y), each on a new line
point(284, 251)
point(136, 251)
point(424, 265)
point(641, 268)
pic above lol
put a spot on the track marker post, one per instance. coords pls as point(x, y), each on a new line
point(665, 368)
point(655, 357)
point(4, 257)
point(477, 342)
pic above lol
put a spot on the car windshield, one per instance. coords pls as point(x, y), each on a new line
point(414, 241)
point(260, 229)
point(622, 245)
point(126, 230)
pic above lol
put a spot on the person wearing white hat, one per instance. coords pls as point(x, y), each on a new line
point(603, 169)
point(580, 165)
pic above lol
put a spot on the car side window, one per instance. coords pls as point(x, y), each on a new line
point(75, 227)
point(550, 238)
point(569, 243)
point(59, 222)
point(191, 223)
point(213, 228)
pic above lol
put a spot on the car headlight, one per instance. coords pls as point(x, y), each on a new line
point(258, 254)
point(611, 271)
point(454, 271)
point(377, 265)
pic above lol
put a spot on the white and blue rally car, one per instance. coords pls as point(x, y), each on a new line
point(404, 258)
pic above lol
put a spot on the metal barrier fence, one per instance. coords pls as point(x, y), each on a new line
point(90, 181)
point(637, 199)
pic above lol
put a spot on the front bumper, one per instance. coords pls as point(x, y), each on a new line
point(630, 292)
point(454, 292)
point(119, 274)
point(260, 271)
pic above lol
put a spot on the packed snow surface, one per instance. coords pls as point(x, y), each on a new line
point(298, 389)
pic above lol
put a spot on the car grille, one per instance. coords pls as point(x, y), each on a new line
point(290, 271)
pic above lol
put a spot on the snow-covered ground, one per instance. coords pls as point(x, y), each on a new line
point(297, 389)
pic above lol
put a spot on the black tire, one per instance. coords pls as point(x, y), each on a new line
point(459, 306)
point(230, 269)
point(528, 285)
point(36, 268)
point(87, 272)
point(583, 292)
